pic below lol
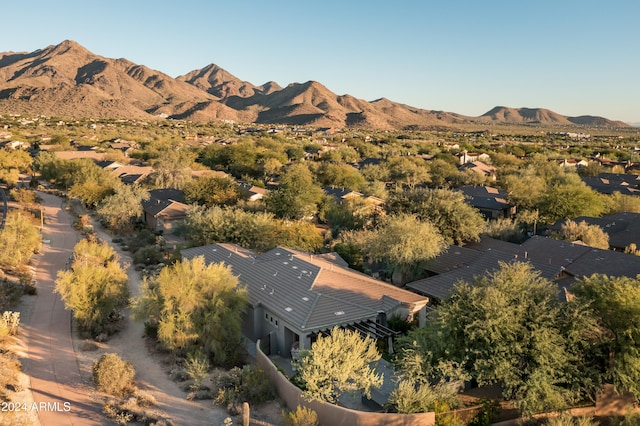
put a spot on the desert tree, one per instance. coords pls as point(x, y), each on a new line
point(19, 239)
point(456, 220)
point(193, 304)
point(616, 304)
point(591, 235)
point(336, 364)
point(297, 196)
point(213, 190)
point(94, 288)
point(123, 207)
point(402, 242)
point(508, 327)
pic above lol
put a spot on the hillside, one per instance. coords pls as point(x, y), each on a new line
point(68, 80)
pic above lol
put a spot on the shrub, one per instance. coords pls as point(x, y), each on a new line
point(112, 375)
point(197, 368)
point(250, 384)
point(9, 323)
point(148, 255)
point(302, 416)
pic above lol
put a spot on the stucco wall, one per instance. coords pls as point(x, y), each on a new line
point(333, 415)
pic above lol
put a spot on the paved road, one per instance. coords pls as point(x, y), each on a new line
point(61, 396)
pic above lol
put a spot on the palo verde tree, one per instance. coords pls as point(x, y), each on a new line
point(508, 327)
point(19, 239)
point(591, 235)
point(95, 287)
point(338, 363)
point(195, 305)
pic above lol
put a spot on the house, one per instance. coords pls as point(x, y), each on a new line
point(254, 193)
point(15, 145)
point(131, 174)
point(481, 168)
point(491, 202)
point(296, 296)
point(469, 157)
point(73, 155)
point(608, 183)
point(164, 209)
point(464, 264)
point(572, 163)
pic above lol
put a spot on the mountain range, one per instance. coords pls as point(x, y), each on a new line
point(69, 80)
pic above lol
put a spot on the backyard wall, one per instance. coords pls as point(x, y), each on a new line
point(333, 415)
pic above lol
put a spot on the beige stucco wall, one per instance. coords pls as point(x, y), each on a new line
point(333, 415)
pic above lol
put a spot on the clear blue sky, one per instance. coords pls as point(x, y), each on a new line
point(573, 57)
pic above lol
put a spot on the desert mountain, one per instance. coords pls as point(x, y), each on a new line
point(503, 114)
point(68, 80)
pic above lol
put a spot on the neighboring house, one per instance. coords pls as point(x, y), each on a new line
point(464, 264)
point(469, 157)
point(15, 145)
point(623, 228)
point(572, 163)
point(126, 147)
point(481, 168)
point(132, 174)
point(254, 192)
point(164, 209)
point(608, 183)
point(295, 296)
point(342, 194)
point(491, 202)
point(73, 155)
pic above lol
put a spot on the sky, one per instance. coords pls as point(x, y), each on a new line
point(572, 57)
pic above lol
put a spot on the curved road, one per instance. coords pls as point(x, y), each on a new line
point(60, 396)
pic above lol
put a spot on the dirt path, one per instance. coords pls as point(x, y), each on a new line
point(58, 390)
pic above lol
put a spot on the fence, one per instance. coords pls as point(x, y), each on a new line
point(329, 414)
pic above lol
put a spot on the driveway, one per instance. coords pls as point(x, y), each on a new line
point(61, 398)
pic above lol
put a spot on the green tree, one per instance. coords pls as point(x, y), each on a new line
point(568, 197)
point(94, 288)
point(616, 303)
point(212, 190)
point(19, 240)
point(456, 220)
point(338, 363)
point(121, 209)
point(297, 196)
point(172, 169)
point(12, 163)
point(508, 327)
point(401, 242)
point(195, 305)
point(618, 203)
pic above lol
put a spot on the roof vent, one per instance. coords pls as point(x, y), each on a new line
point(305, 298)
point(338, 313)
point(288, 309)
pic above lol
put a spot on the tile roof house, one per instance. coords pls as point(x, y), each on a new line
point(294, 296)
point(622, 228)
point(164, 209)
point(608, 183)
point(464, 264)
point(481, 168)
point(491, 202)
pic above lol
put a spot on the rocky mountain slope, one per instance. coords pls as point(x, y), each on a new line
point(68, 80)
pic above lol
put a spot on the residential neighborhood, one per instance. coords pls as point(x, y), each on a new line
point(257, 247)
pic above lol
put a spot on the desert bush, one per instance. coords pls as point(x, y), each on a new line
point(148, 255)
point(247, 384)
point(197, 367)
point(302, 416)
point(9, 323)
point(566, 419)
point(112, 375)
